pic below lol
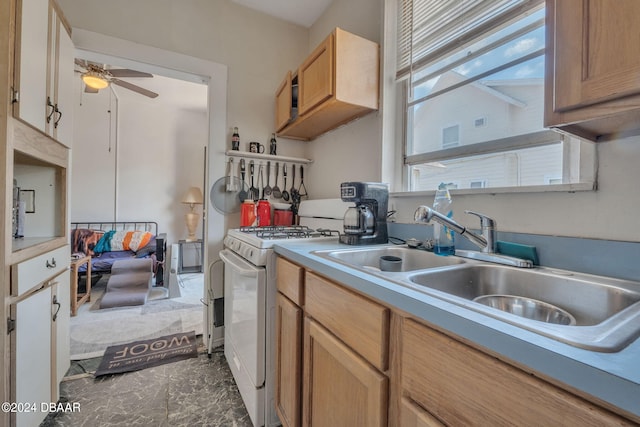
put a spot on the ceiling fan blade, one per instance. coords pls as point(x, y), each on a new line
point(81, 62)
point(134, 88)
point(123, 72)
point(88, 89)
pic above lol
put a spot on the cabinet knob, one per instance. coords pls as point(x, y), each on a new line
point(51, 264)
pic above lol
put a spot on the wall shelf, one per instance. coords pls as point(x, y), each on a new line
point(247, 154)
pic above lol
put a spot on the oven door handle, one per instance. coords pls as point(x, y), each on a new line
point(226, 257)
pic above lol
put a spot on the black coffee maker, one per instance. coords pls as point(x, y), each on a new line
point(366, 222)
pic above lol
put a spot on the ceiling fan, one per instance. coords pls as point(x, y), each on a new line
point(96, 77)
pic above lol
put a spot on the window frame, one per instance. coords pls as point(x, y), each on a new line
point(587, 158)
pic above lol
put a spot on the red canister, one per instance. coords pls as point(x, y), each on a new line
point(248, 214)
point(282, 217)
point(264, 213)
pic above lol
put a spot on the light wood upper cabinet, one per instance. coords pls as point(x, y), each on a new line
point(338, 82)
point(284, 102)
point(316, 76)
point(593, 67)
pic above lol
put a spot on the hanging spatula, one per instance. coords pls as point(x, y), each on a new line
point(232, 184)
point(254, 194)
point(242, 195)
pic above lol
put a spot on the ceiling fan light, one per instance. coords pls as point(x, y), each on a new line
point(94, 80)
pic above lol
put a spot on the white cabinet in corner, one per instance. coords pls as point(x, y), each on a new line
point(40, 342)
point(31, 340)
point(44, 70)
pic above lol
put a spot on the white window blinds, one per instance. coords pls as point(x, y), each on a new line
point(430, 29)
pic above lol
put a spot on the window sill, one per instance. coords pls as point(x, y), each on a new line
point(566, 188)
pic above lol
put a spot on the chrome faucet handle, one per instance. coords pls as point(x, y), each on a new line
point(485, 221)
point(489, 231)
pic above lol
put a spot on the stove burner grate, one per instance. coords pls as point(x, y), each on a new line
point(288, 232)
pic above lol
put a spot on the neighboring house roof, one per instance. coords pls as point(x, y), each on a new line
point(451, 77)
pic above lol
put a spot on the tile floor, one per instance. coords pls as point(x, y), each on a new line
point(193, 392)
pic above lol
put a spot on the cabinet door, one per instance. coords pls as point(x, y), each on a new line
point(316, 77)
point(32, 355)
point(288, 361)
point(411, 415)
point(62, 120)
point(60, 331)
point(340, 388)
point(596, 51)
point(31, 67)
point(284, 102)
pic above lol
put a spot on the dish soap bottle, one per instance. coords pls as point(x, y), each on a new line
point(442, 235)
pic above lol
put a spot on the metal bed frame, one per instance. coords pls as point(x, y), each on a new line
point(150, 226)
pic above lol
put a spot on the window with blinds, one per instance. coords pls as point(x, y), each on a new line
point(473, 71)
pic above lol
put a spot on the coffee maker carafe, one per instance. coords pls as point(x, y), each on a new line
point(366, 222)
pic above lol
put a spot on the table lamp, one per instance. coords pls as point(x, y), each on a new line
point(192, 198)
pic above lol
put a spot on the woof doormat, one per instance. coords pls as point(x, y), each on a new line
point(148, 353)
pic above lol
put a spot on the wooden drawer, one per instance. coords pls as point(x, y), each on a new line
point(464, 386)
point(359, 322)
point(30, 273)
point(290, 280)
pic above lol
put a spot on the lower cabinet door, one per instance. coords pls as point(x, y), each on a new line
point(411, 415)
point(288, 361)
point(340, 387)
point(60, 331)
point(32, 357)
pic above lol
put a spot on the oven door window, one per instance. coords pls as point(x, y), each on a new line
point(244, 323)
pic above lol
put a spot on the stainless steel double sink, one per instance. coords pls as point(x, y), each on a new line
point(606, 310)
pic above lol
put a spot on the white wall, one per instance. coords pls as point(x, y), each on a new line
point(43, 181)
point(352, 152)
point(608, 213)
point(140, 169)
point(258, 50)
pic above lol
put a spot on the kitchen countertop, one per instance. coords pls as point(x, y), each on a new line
point(612, 377)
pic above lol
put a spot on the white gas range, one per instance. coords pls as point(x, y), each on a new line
point(250, 299)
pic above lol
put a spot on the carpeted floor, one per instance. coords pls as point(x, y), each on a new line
point(93, 329)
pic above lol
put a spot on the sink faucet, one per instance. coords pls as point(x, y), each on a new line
point(487, 241)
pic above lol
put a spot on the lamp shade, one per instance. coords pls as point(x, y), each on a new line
point(193, 196)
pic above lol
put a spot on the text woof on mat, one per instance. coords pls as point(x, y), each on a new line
point(158, 349)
